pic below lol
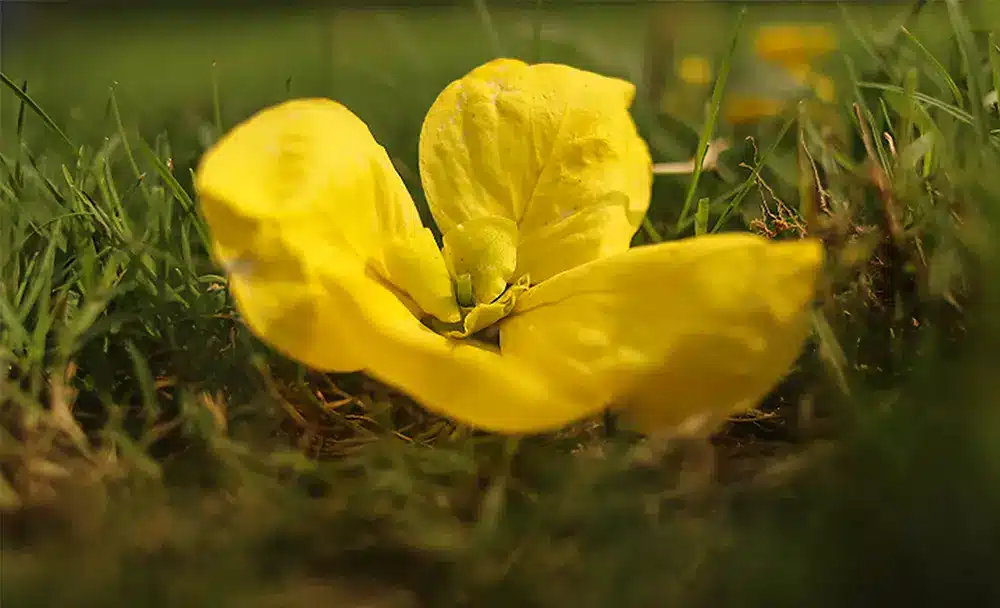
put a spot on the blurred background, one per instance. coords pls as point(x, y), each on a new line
point(194, 71)
point(388, 63)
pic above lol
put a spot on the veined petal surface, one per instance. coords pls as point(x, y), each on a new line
point(695, 328)
point(552, 148)
point(296, 180)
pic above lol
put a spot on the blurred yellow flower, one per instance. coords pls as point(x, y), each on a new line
point(742, 109)
point(790, 53)
point(537, 179)
point(794, 44)
point(695, 70)
point(800, 73)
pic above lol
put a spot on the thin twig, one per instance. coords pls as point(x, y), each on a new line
point(710, 163)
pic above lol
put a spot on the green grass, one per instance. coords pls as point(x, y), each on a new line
point(152, 452)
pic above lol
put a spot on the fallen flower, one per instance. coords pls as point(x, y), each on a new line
point(538, 180)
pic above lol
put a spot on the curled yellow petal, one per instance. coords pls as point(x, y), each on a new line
point(417, 266)
point(595, 232)
point(688, 329)
point(307, 173)
point(324, 310)
point(538, 145)
point(464, 380)
point(281, 299)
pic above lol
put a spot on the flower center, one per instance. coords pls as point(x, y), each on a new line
point(481, 254)
point(478, 318)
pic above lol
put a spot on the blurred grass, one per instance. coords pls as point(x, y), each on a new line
point(370, 59)
point(152, 452)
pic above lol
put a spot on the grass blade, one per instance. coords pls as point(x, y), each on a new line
point(708, 130)
point(970, 64)
point(37, 109)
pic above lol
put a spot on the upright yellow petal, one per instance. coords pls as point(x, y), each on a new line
point(547, 146)
point(306, 173)
point(594, 232)
point(670, 332)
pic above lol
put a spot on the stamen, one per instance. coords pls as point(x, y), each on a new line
point(463, 290)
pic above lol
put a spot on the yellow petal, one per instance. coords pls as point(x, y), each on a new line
point(461, 379)
point(670, 332)
point(310, 171)
point(281, 299)
point(327, 313)
point(537, 145)
point(595, 232)
point(417, 266)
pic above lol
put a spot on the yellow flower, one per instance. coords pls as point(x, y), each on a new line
point(741, 110)
point(538, 180)
point(695, 70)
point(794, 45)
